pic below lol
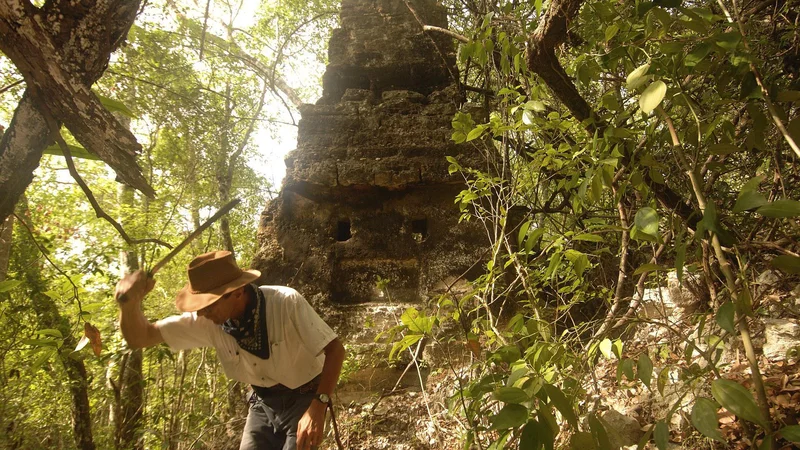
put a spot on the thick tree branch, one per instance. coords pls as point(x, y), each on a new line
point(551, 32)
point(35, 55)
point(73, 26)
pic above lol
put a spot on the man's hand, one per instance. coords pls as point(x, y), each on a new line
point(133, 287)
point(311, 425)
point(136, 329)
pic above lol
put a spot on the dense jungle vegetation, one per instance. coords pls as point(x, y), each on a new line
point(625, 141)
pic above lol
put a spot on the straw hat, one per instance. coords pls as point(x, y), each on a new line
point(212, 275)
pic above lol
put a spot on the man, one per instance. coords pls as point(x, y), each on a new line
point(267, 336)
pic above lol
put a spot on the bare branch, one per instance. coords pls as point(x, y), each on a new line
point(89, 195)
point(452, 34)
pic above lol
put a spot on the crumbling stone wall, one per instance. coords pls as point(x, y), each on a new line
point(367, 193)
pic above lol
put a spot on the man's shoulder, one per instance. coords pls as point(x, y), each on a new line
point(280, 292)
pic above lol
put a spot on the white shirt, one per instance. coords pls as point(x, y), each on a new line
point(297, 336)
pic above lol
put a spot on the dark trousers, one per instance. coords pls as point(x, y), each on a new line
point(272, 419)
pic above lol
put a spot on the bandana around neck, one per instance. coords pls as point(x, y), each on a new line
point(250, 331)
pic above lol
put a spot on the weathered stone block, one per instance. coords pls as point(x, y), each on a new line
point(781, 336)
point(367, 192)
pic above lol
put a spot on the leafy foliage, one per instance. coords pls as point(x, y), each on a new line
point(667, 158)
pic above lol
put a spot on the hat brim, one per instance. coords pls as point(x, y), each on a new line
point(187, 301)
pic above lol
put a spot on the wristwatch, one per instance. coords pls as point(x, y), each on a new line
point(323, 398)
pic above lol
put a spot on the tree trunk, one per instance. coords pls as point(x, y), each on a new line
point(128, 430)
point(50, 317)
point(6, 235)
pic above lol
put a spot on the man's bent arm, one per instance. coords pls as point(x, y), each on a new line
point(332, 368)
point(309, 430)
point(136, 329)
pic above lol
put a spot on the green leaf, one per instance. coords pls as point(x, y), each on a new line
point(530, 436)
point(611, 31)
point(648, 267)
point(791, 433)
point(416, 322)
point(723, 149)
point(511, 416)
point(626, 367)
point(579, 261)
point(617, 348)
point(748, 200)
point(697, 54)
point(527, 118)
point(535, 105)
point(787, 263)
point(74, 150)
point(704, 418)
point(43, 357)
point(753, 183)
point(475, 133)
point(749, 87)
point(788, 96)
point(638, 77)
point(41, 342)
point(559, 400)
point(656, 176)
point(663, 380)
point(725, 317)
point(652, 96)
point(737, 399)
point(523, 232)
point(8, 285)
point(588, 237)
point(533, 238)
point(547, 428)
point(729, 41)
point(680, 256)
point(510, 395)
point(555, 260)
point(646, 219)
point(605, 348)
point(115, 106)
point(599, 433)
point(50, 332)
point(92, 307)
point(404, 343)
point(661, 435)
point(780, 208)
point(644, 369)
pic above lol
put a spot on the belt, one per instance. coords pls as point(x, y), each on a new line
point(278, 389)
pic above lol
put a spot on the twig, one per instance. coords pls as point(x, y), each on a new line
point(452, 34)
point(58, 269)
point(765, 92)
point(623, 269)
point(438, 50)
point(730, 279)
point(16, 83)
point(205, 27)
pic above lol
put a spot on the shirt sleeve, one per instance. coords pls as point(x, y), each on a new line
point(186, 331)
point(314, 333)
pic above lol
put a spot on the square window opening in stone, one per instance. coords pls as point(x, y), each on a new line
point(343, 232)
point(419, 229)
